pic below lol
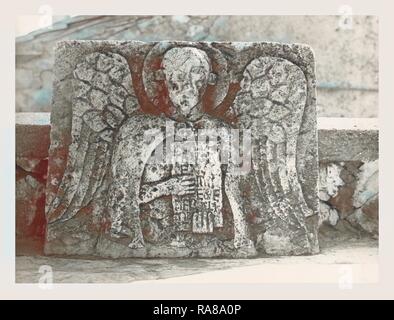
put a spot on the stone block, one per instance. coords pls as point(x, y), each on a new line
point(182, 149)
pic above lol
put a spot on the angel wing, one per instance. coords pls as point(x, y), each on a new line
point(134, 144)
point(271, 104)
point(103, 98)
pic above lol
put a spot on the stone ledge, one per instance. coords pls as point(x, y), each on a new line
point(340, 139)
point(32, 134)
point(33, 118)
point(348, 139)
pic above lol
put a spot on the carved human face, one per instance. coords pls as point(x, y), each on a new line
point(186, 72)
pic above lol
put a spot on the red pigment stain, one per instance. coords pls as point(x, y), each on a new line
point(31, 236)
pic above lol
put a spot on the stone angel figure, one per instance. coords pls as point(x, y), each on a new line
point(126, 110)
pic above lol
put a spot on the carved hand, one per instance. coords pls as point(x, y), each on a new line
point(181, 185)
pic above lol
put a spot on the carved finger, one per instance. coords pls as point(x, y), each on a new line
point(190, 190)
point(186, 192)
point(188, 183)
point(188, 178)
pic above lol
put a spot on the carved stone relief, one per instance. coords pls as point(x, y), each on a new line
point(183, 149)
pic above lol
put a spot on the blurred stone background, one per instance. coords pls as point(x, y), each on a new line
point(346, 53)
point(346, 50)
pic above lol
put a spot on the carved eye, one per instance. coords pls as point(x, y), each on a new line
point(174, 86)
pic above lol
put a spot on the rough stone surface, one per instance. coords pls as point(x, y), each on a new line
point(144, 161)
point(347, 63)
point(32, 144)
